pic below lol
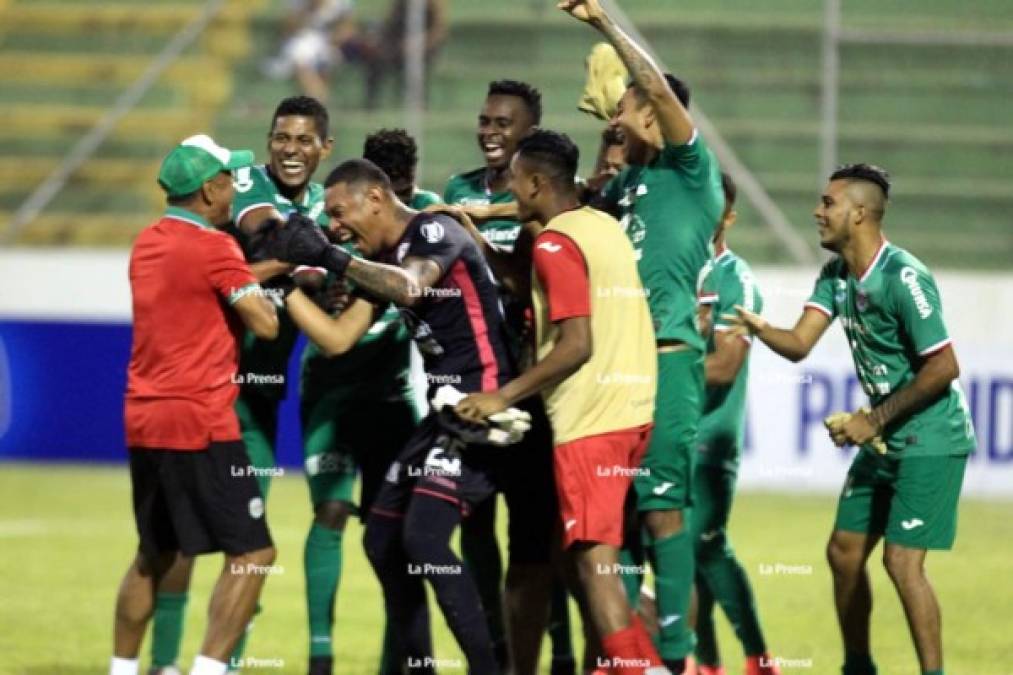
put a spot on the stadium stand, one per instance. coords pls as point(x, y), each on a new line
point(934, 115)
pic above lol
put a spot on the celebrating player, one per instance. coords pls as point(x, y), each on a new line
point(509, 113)
point(434, 269)
point(193, 491)
point(297, 141)
point(670, 197)
point(891, 313)
point(600, 399)
point(719, 575)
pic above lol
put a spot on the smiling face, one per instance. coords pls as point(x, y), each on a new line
point(295, 148)
point(503, 122)
point(835, 215)
point(354, 212)
point(524, 188)
point(635, 120)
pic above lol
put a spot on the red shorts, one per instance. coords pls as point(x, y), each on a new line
point(593, 475)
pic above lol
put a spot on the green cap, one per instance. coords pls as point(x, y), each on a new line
point(196, 160)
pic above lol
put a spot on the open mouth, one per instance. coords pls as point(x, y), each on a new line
point(292, 168)
point(493, 151)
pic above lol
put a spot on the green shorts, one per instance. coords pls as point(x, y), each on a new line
point(342, 433)
point(912, 501)
point(258, 421)
point(677, 409)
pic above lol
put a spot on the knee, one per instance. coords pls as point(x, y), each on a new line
point(902, 565)
point(662, 524)
point(333, 515)
point(843, 558)
point(261, 557)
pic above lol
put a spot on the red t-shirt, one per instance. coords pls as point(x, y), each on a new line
point(562, 272)
point(184, 276)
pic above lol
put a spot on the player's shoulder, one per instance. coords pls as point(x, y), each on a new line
point(897, 261)
point(465, 181)
point(423, 198)
point(436, 227)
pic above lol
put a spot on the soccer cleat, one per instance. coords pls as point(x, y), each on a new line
point(704, 669)
point(761, 665)
point(165, 670)
point(321, 665)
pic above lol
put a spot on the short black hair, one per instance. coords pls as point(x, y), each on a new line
point(554, 152)
point(304, 106)
point(394, 151)
point(867, 172)
point(357, 172)
point(729, 188)
point(531, 96)
point(677, 85)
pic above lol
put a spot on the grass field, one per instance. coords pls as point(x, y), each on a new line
point(66, 536)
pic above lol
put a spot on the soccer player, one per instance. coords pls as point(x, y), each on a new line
point(192, 491)
point(296, 143)
point(719, 575)
point(596, 370)
point(891, 313)
point(430, 266)
point(395, 151)
point(669, 196)
point(510, 112)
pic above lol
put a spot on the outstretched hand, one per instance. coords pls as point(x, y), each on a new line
point(745, 322)
point(589, 11)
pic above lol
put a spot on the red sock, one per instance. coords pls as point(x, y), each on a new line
point(644, 643)
point(623, 652)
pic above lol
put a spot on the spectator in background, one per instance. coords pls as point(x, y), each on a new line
point(384, 52)
point(319, 34)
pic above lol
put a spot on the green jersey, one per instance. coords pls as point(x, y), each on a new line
point(423, 198)
point(728, 282)
point(669, 209)
point(264, 363)
point(469, 189)
point(893, 319)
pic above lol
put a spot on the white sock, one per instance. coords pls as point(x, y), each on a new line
point(120, 666)
point(202, 665)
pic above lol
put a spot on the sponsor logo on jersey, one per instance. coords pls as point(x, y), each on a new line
point(912, 524)
point(432, 231)
point(570, 523)
point(663, 488)
point(862, 301)
point(909, 277)
point(243, 181)
point(550, 247)
point(666, 621)
point(256, 508)
point(709, 536)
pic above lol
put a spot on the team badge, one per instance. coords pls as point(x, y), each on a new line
point(862, 301)
point(432, 232)
point(256, 508)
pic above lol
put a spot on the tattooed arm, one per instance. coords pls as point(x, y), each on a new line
point(676, 124)
point(404, 285)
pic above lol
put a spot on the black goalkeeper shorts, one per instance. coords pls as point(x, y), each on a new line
point(197, 501)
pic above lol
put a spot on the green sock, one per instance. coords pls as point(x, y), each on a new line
point(673, 578)
point(236, 658)
point(631, 580)
point(858, 664)
point(167, 628)
point(933, 672)
point(706, 637)
point(730, 586)
point(322, 566)
point(559, 623)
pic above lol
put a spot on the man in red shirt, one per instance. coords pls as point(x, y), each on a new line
point(193, 492)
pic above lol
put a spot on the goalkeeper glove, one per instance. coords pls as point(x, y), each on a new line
point(504, 428)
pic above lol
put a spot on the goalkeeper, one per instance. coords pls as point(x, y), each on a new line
point(431, 268)
point(891, 313)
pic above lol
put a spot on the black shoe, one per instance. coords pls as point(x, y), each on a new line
point(321, 665)
point(563, 667)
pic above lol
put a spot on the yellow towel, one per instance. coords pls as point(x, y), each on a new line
point(606, 82)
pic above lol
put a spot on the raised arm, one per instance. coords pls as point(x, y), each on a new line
point(258, 314)
point(793, 344)
point(676, 124)
point(404, 285)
